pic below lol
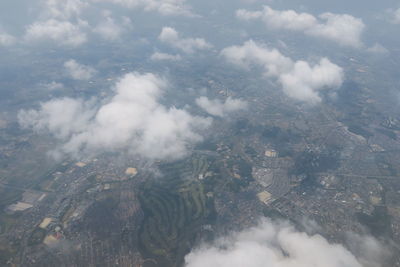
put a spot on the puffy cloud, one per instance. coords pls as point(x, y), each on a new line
point(299, 79)
point(157, 56)
point(132, 120)
point(217, 108)
point(273, 244)
point(304, 81)
point(78, 71)
point(62, 117)
point(110, 30)
point(289, 19)
point(6, 39)
point(61, 32)
point(164, 7)
point(170, 36)
point(59, 22)
point(343, 29)
point(251, 53)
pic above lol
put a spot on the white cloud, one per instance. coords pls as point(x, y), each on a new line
point(110, 29)
point(253, 1)
point(6, 39)
point(343, 29)
point(370, 251)
point(217, 108)
point(299, 79)
point(62, 117)
point(61, 32)
point(157, 56)
point(170, 36)
point(378, 49)
point(63, 9)
point(59, 22)
point(397, 16)
point(164, 7)
point(394, 15)
point(53, 86)
point(288, 19)
point(132, 120)
point(273, 244)
point(251, 53)
point(78, 71)
point(304, 81)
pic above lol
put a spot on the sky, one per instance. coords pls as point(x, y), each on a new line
point(251, 36)
point(60, 65)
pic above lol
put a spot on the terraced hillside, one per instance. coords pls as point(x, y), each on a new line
point(175, 207)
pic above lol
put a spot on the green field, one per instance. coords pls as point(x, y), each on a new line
point(175, 208)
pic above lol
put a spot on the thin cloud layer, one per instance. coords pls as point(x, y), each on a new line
point(61, 32)
point(343, 29)
point(111, 30)
point(378, 49)
point(158, 56)
point(78, 71)
point(60, 23)
point(6, 39)
point(218, 108)
point(273, 244)
point(164, 7)
point(52, 86)
point(171, 37)
point(108, 29)
point(299, 79)
point(64, 9)
point(394, 15)
point(132, 121)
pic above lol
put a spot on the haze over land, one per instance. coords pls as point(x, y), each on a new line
point(199, 133)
